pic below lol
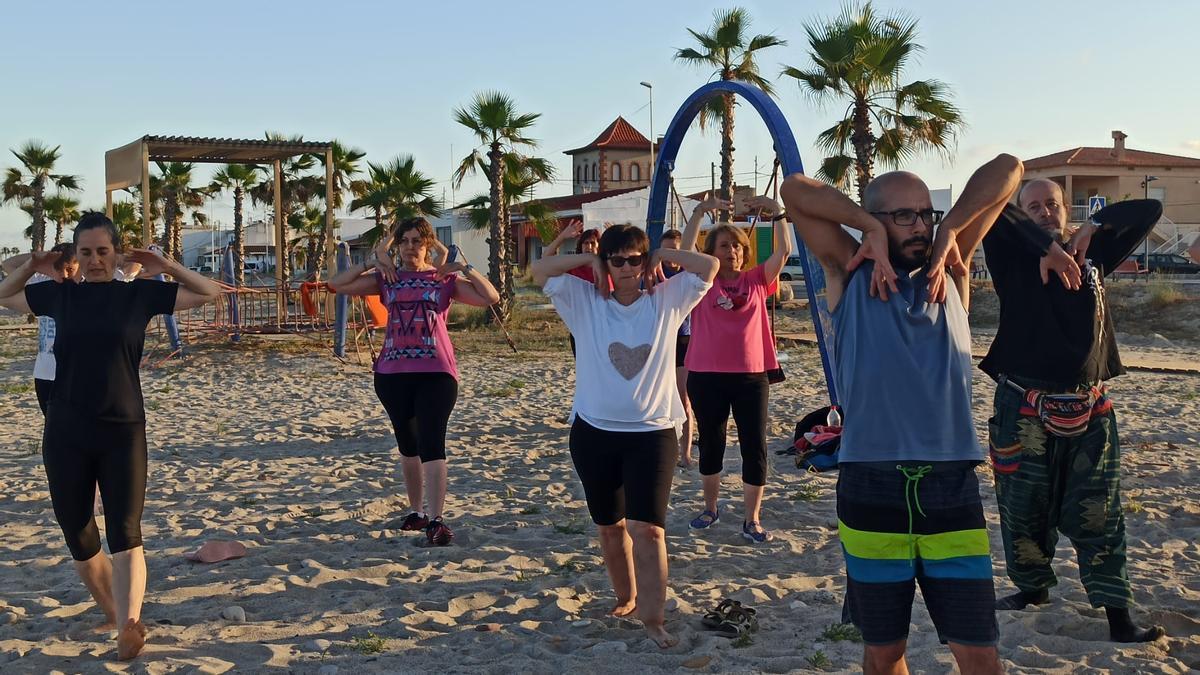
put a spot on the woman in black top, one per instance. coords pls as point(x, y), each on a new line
point(96, 422)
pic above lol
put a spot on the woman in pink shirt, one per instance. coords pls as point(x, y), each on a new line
point(416, 375)
point(730, 354)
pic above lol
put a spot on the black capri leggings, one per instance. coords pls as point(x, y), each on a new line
point(419, 405)
point(43, 388)
point(80, 453)
point(713, 395)
point(625, 474)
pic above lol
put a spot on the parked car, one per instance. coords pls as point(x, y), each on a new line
point(792, 269)
point(1167, 263)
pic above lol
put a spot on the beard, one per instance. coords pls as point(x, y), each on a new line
point(911, 253)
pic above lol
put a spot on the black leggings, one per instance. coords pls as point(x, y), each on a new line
point(419, 405)
point(43, 388)
point(713, 395)
point(78, 454)
point(625, 474)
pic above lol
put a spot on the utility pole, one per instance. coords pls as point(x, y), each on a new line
point(713, 175)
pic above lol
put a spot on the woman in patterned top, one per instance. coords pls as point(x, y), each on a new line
point(416, 375)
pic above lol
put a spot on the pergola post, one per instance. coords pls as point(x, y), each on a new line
point(330, 251)
point(147, 225)
point(280, 246)
point(108, 204)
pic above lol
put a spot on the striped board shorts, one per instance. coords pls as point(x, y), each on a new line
point(908, 523)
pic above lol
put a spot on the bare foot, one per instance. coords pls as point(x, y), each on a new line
point(661, 637)
point(624, 608)
point(131, 640)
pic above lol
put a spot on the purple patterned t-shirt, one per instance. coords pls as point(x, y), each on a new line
point(415, 340)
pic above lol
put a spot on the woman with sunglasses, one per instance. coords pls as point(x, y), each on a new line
point(626, 407)
point(730, 353)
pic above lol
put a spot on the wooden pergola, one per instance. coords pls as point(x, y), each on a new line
point(129, 165)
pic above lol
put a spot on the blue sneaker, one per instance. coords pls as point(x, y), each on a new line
point(705, 520)
point(760, 536)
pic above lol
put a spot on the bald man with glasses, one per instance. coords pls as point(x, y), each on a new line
point(909, 510)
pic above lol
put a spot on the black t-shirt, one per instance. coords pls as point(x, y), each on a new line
point(100, 331)
point(1048, 332)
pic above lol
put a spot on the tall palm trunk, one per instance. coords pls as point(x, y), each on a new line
point(727, 152)
point(39, 213)
point(170, 211)
point(58, 230)
point(285, 251)
point(177, 237)
point(497, 238)
point(864, 147)
point(239, 239)
point(317, 261)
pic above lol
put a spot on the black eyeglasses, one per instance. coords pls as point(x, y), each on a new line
point(633, 260)
point(908, 217)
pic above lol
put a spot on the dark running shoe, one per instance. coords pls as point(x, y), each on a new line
point(414, 522)
point(438, 533)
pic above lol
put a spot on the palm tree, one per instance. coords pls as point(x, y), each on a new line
point(729, 50)
point(859, 57)
point(345, 168)
point(296, 189)
point(394, 191)
point(128, 221)
point(26, 185)
point(309, 223)
point(493, 119)
point(174, 187)
point(239, 178)
point(61, 210)
point(521, 174)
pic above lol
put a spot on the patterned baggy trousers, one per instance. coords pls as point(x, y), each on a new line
point(1047, 484)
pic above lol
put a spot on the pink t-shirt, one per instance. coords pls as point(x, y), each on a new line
point(731, 331)
point(415, 340)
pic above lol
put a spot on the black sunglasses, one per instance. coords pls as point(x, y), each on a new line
point(908, 217)
point(633, 260)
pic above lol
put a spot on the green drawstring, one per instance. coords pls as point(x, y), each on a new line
point(913, 477)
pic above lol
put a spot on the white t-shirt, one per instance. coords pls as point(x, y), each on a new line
point(44, 365)
point(625, 354)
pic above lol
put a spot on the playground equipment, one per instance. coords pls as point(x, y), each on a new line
point(789, 158)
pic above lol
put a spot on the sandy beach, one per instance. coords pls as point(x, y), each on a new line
point(288, 452)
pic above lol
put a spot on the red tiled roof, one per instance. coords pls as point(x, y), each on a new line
point(570, 202)
point(1085, 156)
point(620, 135)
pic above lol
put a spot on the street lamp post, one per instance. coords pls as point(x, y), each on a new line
point(1146, 245)
point(651, 88)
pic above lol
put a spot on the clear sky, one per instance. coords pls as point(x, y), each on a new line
point(1031, 77)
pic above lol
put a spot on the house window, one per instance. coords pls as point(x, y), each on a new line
point(577, 172)
point(616, 172)
point(635, 172)
point(595, 171)
point(444, 235)
point(1158, 193)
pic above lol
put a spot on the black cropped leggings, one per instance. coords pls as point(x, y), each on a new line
point(419, 406)
point(713, 396)
point(78, 454)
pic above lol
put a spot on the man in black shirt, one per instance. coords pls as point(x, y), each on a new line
point(1053, 437)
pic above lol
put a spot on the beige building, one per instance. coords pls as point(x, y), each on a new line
point(1118, 173)
point(618, 159)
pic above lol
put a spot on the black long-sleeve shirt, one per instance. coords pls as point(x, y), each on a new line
point(1047, 331)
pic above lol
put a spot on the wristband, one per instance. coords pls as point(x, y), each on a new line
point(469, 268)
point(781, 216)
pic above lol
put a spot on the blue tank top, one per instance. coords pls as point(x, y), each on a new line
point(903, 373)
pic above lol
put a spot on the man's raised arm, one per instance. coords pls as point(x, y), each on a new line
point(818, 211)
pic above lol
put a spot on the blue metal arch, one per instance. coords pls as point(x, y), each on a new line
point(789, 159)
